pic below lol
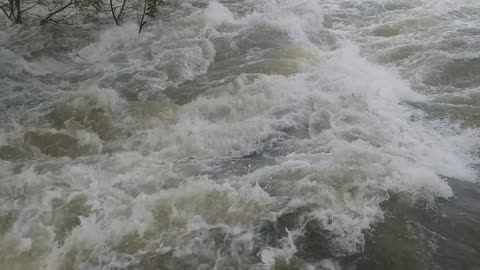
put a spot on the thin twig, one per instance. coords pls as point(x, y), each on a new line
point(63, 18)
point(27, 9)
point(78, 54)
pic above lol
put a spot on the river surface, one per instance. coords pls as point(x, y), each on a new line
point(248, 134)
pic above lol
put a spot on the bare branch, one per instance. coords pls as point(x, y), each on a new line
point(76, 53)
point(12, 10)
point(115, 16)
point(96, 5)
point(121, 9)
point(47, 19)
point(18, 19)
point(142, 20)
point(113, 13)
point(6, 13)
point(55, 22)
point(32, 6)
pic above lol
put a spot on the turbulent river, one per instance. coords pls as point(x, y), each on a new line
point(247, 134)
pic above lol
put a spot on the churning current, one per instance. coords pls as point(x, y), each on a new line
point(248, 134)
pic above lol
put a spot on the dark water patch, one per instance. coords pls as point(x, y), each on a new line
point(20, 105)
point(225, 50)
point(386, 31)
point(129, 84)
point(452, 43)
point(67, 215)
point(220, 78)
point(83, 112)
point(459, 73)
point(16, 152)
point(237, 166)
point(7, 220)
point(55, 144)
point(209, 249)
point(468, 13)
point(264, 153)
point(394, 6)
point(418, 235)
point(467, 115)
point(404, 27)
point(188, 91)
point(367, 8)
point(82, 76)
point(325, 39)
point(262, 36)
point(313, 245)
point(400, 242)
point(316, 243)
point(459, 223)
point(400, 53)
point(469, 31)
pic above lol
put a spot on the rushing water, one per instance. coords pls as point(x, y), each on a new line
point(248, 134)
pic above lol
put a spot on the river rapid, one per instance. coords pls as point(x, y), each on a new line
point(248, 134)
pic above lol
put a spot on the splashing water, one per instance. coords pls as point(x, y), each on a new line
point(244, 135)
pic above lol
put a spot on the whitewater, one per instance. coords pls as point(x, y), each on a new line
point(249, 134)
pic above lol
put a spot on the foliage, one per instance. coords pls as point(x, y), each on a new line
point(152, 7)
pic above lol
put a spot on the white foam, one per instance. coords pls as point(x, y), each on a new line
point(337, 136)
point(108, 41)
point(217, 14)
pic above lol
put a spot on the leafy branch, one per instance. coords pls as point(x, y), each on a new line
point(150, 9)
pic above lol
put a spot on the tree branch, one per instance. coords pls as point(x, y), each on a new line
point(142, 21)
point(61, 19)
point(18, 19)
point(32, 6)
point(5, 11)
point(12, 10)
point(96, 5)
point(44, 21)
point(113, 13)
point(121, 9)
